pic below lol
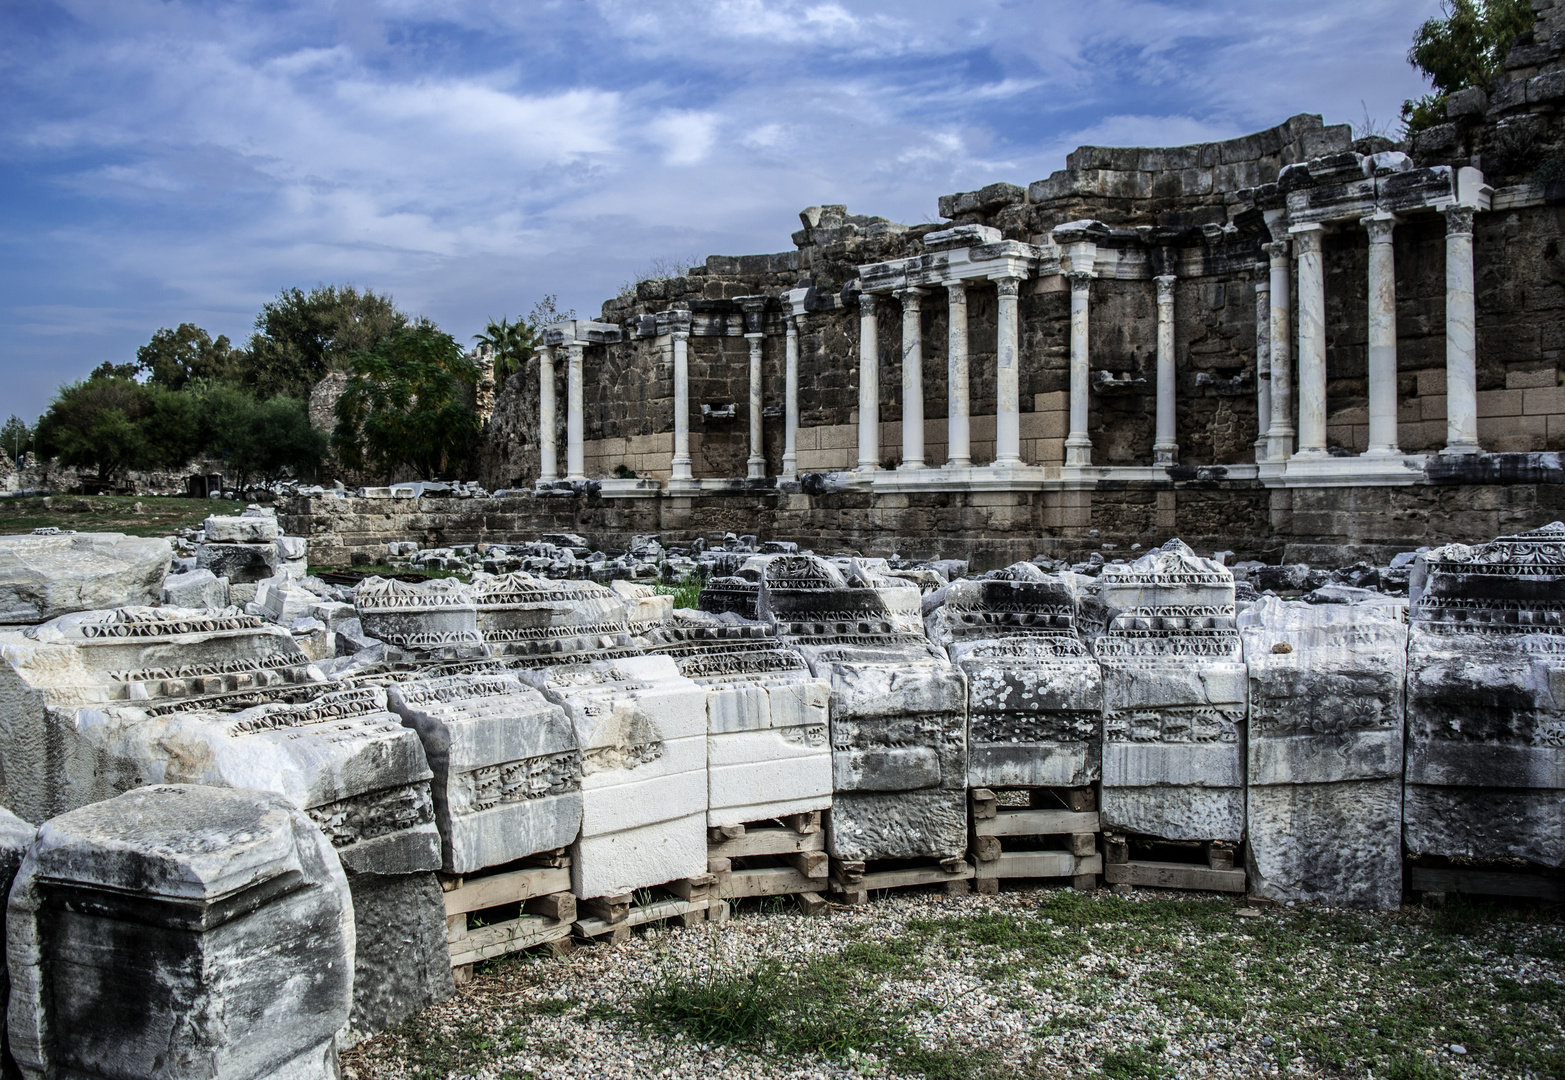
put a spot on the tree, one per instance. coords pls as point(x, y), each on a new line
point(16, 438)
point(513, 345)
point(547, 311)
point(174, 357)
point(401, 404)
point(96, 424)
point(1464, 49)
point(300, 336)
point(263, 440)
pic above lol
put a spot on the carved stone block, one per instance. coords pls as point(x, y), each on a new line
point(44, 577)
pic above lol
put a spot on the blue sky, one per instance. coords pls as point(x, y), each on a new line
point(164, 161)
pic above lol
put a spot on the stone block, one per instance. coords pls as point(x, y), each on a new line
point(401, 962)
point(1544, 400)
point(44, 577)
point(1470, 102)
point(438, 617)
point(292, 548)
point(239, 562)
point(898, 708)
point(220, 916)
point(525, 616)
point(195, 589)
point(241, 529)
point(1325, 750)
point(1174, 694)
point(507, 770)
point(16, 836)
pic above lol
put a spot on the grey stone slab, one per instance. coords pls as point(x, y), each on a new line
point(195, 589)
point(401, 962)
point(239, 562)
point(44, 577)
point(540, 620)
point(1336, 844)
point(221, 916)
point(16, 836)
point(247, 528)
point(438, 617)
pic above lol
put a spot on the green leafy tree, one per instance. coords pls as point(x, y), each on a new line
point(403, 405)
point(301, 336)
point(96, 424)
point(16, 438)
point(171, 429)
point(259, 440)
point(513, 345)
point(1464, 49)
point(174, 357)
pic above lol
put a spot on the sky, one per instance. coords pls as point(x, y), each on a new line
point(164, 161)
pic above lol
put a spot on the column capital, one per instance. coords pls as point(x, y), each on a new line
point(1307, 238)
point(1263, 277)
point(1276, 253)
point(956, 291)
point(680, 335)
point(1165, 287)
point(1380, 226)
point(911, 296)
point(1459, 219)
point(1081, 280)
point(1007, 285)
point(866, 303)
point(575, 349)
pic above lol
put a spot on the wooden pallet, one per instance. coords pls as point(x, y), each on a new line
point(693, 901)
point(547, 910)
point(1218, 874)
point(1076, 825)
point(763, 859)
point(852, 882)
point(1435, 881)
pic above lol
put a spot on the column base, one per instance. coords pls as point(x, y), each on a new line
point(1280, 445)
point(912, 466)
point(1461, 448)
point(790, 466)
point(1316, 468)
point(1078, 450)
point(868, 466)
point(756, 468)
point(1165, 455)
point(680, 469)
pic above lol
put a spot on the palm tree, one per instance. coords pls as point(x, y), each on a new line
point(512, 344)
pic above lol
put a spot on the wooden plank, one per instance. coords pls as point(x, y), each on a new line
point(1019, 864)
point(476, 894)
point(1015, 822)
point(772, 841)
point(1167, 875)
point(918, 875)
point(808, 821)
point(984, 803)
point(812, 864)
point(769, 881)
point(691, 888)
point(510, 936)
point(1486, 882)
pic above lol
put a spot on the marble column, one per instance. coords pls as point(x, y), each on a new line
point(912, 378)
point(1312, 338)
point(1382, 334)
point(548, 450)
point(1007, 380)
point(1078, 447)
point(790, 460)
point(680, 469)
point(1279, 437)
point(869, 385)
point(959, 448)
point(1263, 359)
point(1461, 340)
point(755, 465)
point(1165, 448)
point(575, 449)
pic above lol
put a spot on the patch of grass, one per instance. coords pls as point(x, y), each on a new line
point(827, 1006)
point(136, 515)
point(1140, 1061)
point(685, 594)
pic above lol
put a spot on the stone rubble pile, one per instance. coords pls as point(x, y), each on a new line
point(287, 780)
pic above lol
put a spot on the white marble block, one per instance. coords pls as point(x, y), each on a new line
point(542, 621)
point(507, 769)
point(44, 577)
point(898, 708)
point(1174, 695)
point(641, 727)
point(1325, 751)
point(141, 656)
point(1486, 701)
point(180, 932)
point(434, 618)
point(1034, 690)
point(767, 718)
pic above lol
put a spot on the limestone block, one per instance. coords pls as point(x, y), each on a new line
point(16, 836)
point(244, 528)
point(1325, 751)
point(641, 727)
point(539, 620)
point(898, 707)
point(1174, 695)
point(44, 577)
point(293, 548)
point(195, 589)
point(152, 657)
point(401, 963)
point(437, 617)
point(1034, 691)
point(333, 614)
point(1486, 701)
point(283, 604)
point(342, 758)
point(507, 770)
point(767, 718)
point(221, 917)
point(239, 562)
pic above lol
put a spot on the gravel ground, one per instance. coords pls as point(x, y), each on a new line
point(1042, 983)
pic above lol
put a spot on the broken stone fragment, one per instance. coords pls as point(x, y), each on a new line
point(241, 529)
point(239, 562)
point(438, 617)
point(44, 577)
point(16, 836)
point(195, 589)
point(221, 915)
